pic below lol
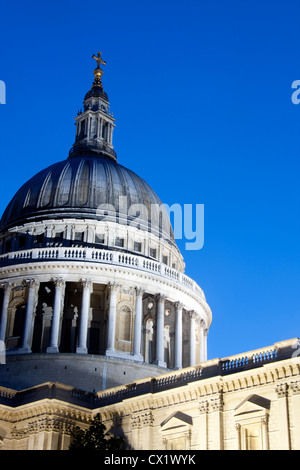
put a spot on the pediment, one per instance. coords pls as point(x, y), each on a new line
point(176, 420)
point(252, 404)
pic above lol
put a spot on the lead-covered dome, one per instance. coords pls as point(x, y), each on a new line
point(89, 187)
point(90, 184)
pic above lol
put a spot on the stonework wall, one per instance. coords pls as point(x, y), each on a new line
point(88, 373)
point(254, 408)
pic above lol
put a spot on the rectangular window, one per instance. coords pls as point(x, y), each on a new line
point(119, 242)
point(7, 246)
point(137, 247)
point(153, 252)
point(22, 241)
point(100, 239)
point(59, 236)
point(39, 239)
point(165, 259)
point(79, 236)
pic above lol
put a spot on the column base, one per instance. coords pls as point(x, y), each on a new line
point(81, 350)
point(137, 357)
point(160, 364)
point(52, 350)
point(115, 354)
point(24, 350)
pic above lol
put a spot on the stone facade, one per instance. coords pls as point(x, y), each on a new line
point(250, 401)
point(98, 315)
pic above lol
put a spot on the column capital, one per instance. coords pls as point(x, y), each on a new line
point(264, 420)
point(31, 283)
point(87, 283)
point(160, 297)
point(113, 286)
point(192, 314)
point(139, 291)
point(58, 282)
point(178, 305)
point(6, 285)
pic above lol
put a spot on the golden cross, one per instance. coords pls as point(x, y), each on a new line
point(98, 59)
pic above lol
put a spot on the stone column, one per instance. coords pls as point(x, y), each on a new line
point(193, 316)
point(57, 308)
point(160, 330)
point(89, 127)
point(178, 335)
point(111, 133)
point(138, 325)
point(111, 318)
point(3, 321)
point(205, 344)
point(30, 307)
point(203, 335)
point(98, 127)
point(84, 317)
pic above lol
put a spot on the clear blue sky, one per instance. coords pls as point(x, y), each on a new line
point(201, 91)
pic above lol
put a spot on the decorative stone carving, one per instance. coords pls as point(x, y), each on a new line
point(282, 390)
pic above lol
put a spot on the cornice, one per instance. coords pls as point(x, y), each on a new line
point(74, 267)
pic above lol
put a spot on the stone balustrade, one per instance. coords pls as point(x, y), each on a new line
point(211, 368)
point(95, 255)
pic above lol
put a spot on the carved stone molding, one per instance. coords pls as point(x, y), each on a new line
point(87, 283)
point(295, 388)
point(282, 390)
point(31, 283)
point(6, 286)
point(58, 282)
point(113, 286)
point(139, 420)
point(178, 305)
point(203, 407)
point(160, 297)
point(139, 291)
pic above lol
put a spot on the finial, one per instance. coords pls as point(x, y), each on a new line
point(98, 72)
point(98, 59)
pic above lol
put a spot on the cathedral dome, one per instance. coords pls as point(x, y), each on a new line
point(89, 186)
point(90, 274)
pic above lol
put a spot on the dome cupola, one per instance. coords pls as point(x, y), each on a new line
point(90, 273)
point(95, 123)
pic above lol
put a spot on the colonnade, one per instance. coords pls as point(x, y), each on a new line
point(102, 128)
point(32, 287)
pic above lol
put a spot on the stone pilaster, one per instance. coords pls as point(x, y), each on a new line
point(283, 416)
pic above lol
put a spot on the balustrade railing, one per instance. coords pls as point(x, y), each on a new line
point(208, 369)
point(102, 256)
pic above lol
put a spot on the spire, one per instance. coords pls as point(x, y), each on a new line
point(95, 124)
